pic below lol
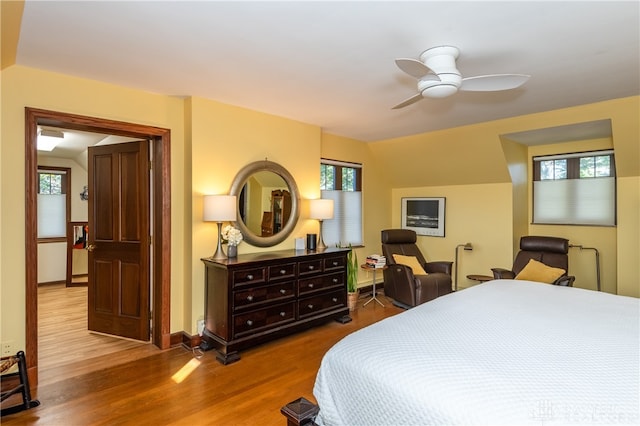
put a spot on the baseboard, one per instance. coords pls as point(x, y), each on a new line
point(188, 341)
point(368, 289)
point(185, 339)
point(52, 282)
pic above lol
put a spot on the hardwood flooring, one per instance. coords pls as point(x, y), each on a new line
point(63, 338)
point(146, 386)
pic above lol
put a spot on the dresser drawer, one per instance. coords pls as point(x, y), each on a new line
point(249, 276)
point(261, 296)
point(254, 321)
point(322, 282)
point(310, 267)
point(255, 296)
point(334, 263)
point(282, 271)
point(323, 302)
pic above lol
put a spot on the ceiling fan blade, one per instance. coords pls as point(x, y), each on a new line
point(413, 67)
point(493, 82)
point(412, 100)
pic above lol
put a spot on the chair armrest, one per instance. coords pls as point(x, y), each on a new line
point(438, 266)
point(502, 274)
point(402, 284)
point(565, 281)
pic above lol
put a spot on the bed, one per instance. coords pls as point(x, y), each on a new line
point(502, 352)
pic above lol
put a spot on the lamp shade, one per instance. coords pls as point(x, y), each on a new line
point(321, 209)
point(219, 208)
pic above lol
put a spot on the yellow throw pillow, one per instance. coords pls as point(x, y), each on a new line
point(410, 261)
point(538, 271)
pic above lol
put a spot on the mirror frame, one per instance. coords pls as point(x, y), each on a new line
point(236, 187)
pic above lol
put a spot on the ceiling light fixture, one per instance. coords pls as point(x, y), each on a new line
point(49, 139)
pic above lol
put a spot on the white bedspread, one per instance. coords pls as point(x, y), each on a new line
point(503, 352)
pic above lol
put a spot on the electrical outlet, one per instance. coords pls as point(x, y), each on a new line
point(200, 327)
point(8, 348)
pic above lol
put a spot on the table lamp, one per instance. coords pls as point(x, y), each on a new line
point(320, 210)
point(219, 208)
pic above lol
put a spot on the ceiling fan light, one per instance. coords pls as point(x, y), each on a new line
point(440, 91)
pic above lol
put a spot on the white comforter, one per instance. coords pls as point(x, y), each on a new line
point(503, 352)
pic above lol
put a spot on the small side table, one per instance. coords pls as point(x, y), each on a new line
point(374, 269)
point(480, 278)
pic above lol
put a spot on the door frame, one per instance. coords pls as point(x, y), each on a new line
point(160, 207)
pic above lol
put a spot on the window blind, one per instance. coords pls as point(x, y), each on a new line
point(346, 226)
point(575, 201)
point(52, 215)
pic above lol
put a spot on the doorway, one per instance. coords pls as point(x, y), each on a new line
point(161, 228)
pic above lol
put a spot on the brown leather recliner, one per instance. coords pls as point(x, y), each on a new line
point(552, 251)
point(400, 284)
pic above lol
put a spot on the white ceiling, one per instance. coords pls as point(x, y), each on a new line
point(331, 63)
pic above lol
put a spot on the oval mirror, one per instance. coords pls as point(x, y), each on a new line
point(268, 203)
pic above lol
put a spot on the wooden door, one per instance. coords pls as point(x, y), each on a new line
point(119, 235)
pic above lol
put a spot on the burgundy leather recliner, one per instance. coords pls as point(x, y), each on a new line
point(400, 284)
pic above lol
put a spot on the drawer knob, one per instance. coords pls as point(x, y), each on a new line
point(283, 291)
point(335, 299)
point(310, 306)
point(282, 271)
point(335, 263)
point(335, 280)
point(250, 277)
point(310, 285)
point(311, 267)
point(283, 314)
point(249, 323)
point(249, 298)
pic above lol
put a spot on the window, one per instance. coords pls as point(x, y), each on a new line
point(342, 183)
point(575, 189)
point(53, 203)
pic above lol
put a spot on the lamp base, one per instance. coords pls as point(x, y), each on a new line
point(321, 245)
point(219, 254)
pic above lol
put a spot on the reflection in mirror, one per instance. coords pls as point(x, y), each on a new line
point(267, 203)
point(261, 204)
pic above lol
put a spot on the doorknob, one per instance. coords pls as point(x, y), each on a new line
point(91, 247)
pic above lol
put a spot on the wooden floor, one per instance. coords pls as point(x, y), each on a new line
point(143, 385)
point(63, 338)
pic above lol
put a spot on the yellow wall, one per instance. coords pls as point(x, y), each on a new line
point(484, 158)
point(225, 139)
point(22, 87)
point(517, 162)
point(581, 262)
point(628, 235)
point(478, 214)
point(210, 142)
point(376, 197)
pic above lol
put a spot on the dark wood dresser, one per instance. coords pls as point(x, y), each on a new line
point(259, 297)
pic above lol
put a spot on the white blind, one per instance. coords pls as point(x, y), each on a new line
point(346, 226)
point(575, 201)
point(52, 215)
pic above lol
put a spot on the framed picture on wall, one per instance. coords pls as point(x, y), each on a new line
point(423, 215)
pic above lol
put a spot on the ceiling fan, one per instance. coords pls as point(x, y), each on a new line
point(438, 76)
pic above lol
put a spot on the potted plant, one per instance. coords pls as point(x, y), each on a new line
point(352, 279)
